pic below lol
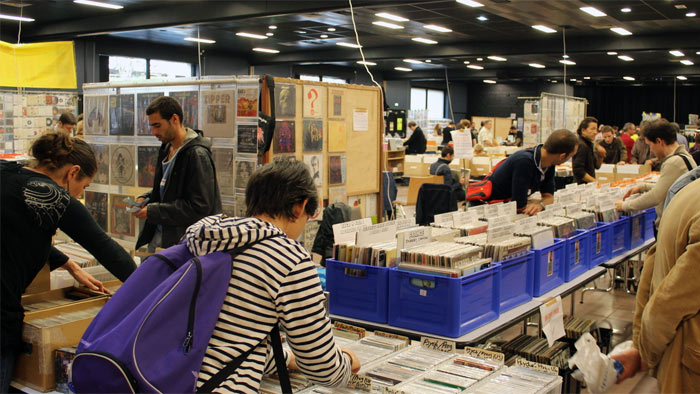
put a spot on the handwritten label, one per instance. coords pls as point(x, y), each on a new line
point(511, 209)
point(441, 345)
point(522, 225)
point(559, 212)
point(573, 208)
point(544, 215)
point(552, 314)
point(485, 354)
point(345, 232)
point(360, 382)
point(347, 327)
point(405, 223)
point(391, 390)
point(382, 232)
point(550, 369)
point(394, 336)
point(413, 237)
point(460, 219)
point(444, 218)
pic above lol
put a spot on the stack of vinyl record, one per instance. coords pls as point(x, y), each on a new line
point(444, 234)
point(607, 216)
point(66, 317)
point(379, 254)
point(442, 258)
point(467, 229)
point(538, 350)
point(584, 220)
point(78, 254)
point(499, 250)
point(575, 327)
point(406, 365)
point(562, 226)
point(540, 236)
point(518, 380)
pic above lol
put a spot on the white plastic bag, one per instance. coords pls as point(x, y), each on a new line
point(599, 371)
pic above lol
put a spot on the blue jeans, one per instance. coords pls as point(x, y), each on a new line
point(8, 364)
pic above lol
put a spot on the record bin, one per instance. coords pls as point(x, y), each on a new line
point(549, 267)
point(635, 236)
point(517, 281)
point(620, 231)
point(444, 306)
point(358, 291)
point(577, 254)
point(649, 218)
point(601, 244)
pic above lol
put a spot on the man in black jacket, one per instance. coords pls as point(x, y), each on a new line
point(442, 167)
point(184, 186)
point(416, 142)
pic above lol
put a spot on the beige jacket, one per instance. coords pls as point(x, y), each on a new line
point(654, 195)
point(667, 317)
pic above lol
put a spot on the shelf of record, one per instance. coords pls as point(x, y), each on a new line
point(469, 266)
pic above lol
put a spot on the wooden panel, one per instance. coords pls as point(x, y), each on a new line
point(500, 128)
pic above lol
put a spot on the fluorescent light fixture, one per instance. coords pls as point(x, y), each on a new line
point(621, 31)
point(544, 28)
point(16, 18)
point(482, 18)
point(347, 44)
point(489, 81)
point(687, 62)
point(682, 78)
point(676, 53)
point(568, 62)
point(691, 14)
point(331, 29)
point(300, 31)
point(424, 40)
point(402, 69)
point(202, 40)
point(470, 3)
point(270, 34)
point(479, 59)
point(324, 35)
point(625, 58)
point(564, 56)
point(266, 50)
point(593, 11)
point(99, 4)
point(414, 61)
point(572, 79)
point(498, 58)
point(554, 81)
point(626, 10)
point(626, 78)
point(392, 17)
point(438, 28)
point(251, 35)
point(467, 62)
point(366, 63)
point(272, 27)
point(387, 24)
point(697, 53)
point(428, 61)
point(611, 53)
point(586, 77)
point(536, 65)
point(475, 67)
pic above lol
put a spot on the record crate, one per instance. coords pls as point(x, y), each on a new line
point(577, 254)
point(601, 244)
point(649, 218)
point(358, 291)
point(439, 305)
point(549, 267)
point(635, 236)
point(517, 281)
point(620, 231)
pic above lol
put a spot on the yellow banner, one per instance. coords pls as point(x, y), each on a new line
point(45, 65)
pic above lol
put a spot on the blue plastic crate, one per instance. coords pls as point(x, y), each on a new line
point(549, 267)
point(649, 218)
point(601, 244)
point(577, 254)
point(358, 291)
point(444, 306)
point(517, 281)
point(635, 237)
point(619, 233)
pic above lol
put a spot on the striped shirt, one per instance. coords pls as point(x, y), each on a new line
point(274, 280)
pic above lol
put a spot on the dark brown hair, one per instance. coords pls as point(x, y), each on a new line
point(660, 128)
point(166, 106)
point(56, 149)
point(585, 122)
point(561, 141)
point(607, 129)
point(68, 118)
point(447, 150)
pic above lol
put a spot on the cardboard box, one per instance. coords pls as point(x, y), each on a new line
point(414, 166)
point(41, 283)
point(605, 174)
point(480, 166)
point(629, 171)
point(52, 298)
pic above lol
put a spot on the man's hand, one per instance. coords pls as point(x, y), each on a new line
point(618, 205)
point(631, 191)
point(354, 361)
point(140, 200)
point(533, 209)
point(621, 162)
point(600, 150)
point(142, 213)
point(649, 162)
point(83, 277)
point(631, 361)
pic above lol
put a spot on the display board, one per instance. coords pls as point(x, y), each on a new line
point(501, 126)
point(551, 112)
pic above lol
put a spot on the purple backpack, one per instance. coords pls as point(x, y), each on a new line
point(153, 333)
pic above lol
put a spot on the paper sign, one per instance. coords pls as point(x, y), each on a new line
point(511, 208)
point(410, 238)
point(544, 215)
point(405, 223)
point(573, 208)
point(491, 210)
point(345, 232)
point(550, 369)
point(382, 232)
point(460, 219)
point(360, 119)
point(494, 234)
point(485, 354)
point(552, 314)
point(441, 345)
point(480, 210)
point(632, 169)
point(462, 145)
point(498, 221)
point(444, 218)
point(360, 382)
point(606, 168)
point(524, 224)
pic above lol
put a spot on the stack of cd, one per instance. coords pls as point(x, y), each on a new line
point(517, 380)
point(575, 327)
point(406, 365)
point(584, 220)
point(538, 350)
point(472, 228)
point(606, 215)
point(443, 258)
point(562, 226)
point(444, 234)
point(540, 236)
point(500, 250)
point(65, 318)
point(379, 255)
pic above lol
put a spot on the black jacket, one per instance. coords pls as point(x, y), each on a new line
point(447, 135)
point(191, 192)
point(323, 243)
point(442, 167)
point(434, 199)
point(584, 161)
point(416, 143)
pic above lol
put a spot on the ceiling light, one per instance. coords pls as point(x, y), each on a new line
point(572, 79)
point(387, 24)
point(564, 56)
point(202, 40)
point(626, 9)
point(676, 53)
point(626, 78)
point(438, 28)
point(424, 40)
point(489, 81)
point(690, 14)
point(482, 18)
point(621, 31)
point(536, 65)
point(266, 50)
point(612, 53)
point(300, 31)
point(16, 18)
point(324, 35)
point(402, 69)
point(567, 62)
point(475, 67)
point(554, 81)
point(625, 58)
point(412, 61)
point(593, 11)
point(470, 3)
point(687, 62)
point(479, 59)
point(366, 63)
point(586, 77)
point(331, 29)
point(680, 6)
point(428, 61)
point(348, 44)
point(682, 78)
point(467, 62)
point(272, 27)
point(270, 34)
point(99, 4)
point(498, 58)
point(251, 35)
point(697, 53)
point(392, 17)
point(544, 29)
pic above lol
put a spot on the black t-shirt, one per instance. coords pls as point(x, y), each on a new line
point(517, 135)
point(32, 207)
point(447, 135)
point(519, 176)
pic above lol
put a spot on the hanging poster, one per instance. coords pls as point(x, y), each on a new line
point(313, 136)
point(122, 221)
point(96, 110)
point(143, 100)
point(314, 98)
point(147, 157)
point(240, 207)
point(247, 102)
point(285, 100)
point(315, 166)
point(247, 139)
point(223, 162)
point(97, 204)
point(360, 119)
point(244, 169)
point(336, 103)
point(337, 194)
point(121, 114)
point(337, 136)
point(284, 137)
point(122, 164)
point(189, 101)
point(336, 174)
point(218, 121)
point(102, 156)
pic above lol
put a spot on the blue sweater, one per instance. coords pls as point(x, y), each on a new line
point(519, 176)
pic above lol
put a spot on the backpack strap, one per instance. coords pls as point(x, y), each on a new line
point(439, 167)
point(685, 159)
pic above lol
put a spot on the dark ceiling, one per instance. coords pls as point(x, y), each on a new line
point(657, 27)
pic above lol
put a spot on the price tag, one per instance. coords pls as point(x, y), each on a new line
point(441, 345)
point(485, 354)
point(345, 232)
point(444, 219)
point(394, 336)
point(410, 238)
point(382, 232)
point(460, 219)
point(405, 223)
point(360, 382)
point(550, 369)
point(552, 314)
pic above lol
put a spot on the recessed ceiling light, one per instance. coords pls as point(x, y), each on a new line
point(691, 15)
point(697, 53)
point(467, 62)
point(676, 53)
point(331, 29)
point(544, 29)
point(625, 58)
point(564, 56)
point(612, 53)
point(392, 17)
point(489, 81)
point(498, 58)
point(366, 63)
point(300, 31)
point(16, 18)
point(572, 79)
point(482, 18)
point(266, 50)
point(438, 28)
point(424, 40)
point(478, 59)
point(414, 61)
point(626, 9)
point(202, 40)
point(621, 31)
point(387, 24)
point(536, 65)
point(626, 78)
point(347, 44)
point(554, 81)
point(402, 69)
point(568, 62)
point(324, 35)
point(475, 67)
point(687, 62)
point(682, 78)
point(428, 61)
point(680, 6)
point(272, 27)
point(593, 11)
point(470, 3)
point(269, 34)
point(586, 77)
point(99, 4)
point(251, 35)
